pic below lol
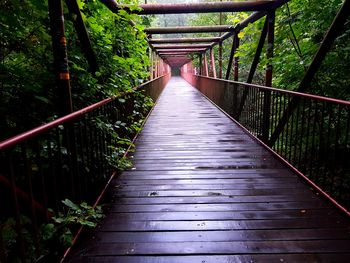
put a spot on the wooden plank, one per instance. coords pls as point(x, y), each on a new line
point(229, 193)
point(212, 181)
point(201, 225)
point(229, 186)
point(223, 236)
point(290, 258)
point(136, 175)
point(223, 215)
point(225, 193)
point(151, 199)
point(227, 173)
point(238, 247)
point(220, 207)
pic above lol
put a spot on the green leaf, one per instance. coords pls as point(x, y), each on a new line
point(70, 204)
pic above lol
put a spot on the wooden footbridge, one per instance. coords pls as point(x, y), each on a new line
point(204, 190)
point(223, 171)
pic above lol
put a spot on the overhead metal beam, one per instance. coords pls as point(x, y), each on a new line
point(181, 46)
point(184, 40)
point(189, 29)
point(174, 59)
point(174, 56)
point(183, 50)
point(210, 7)
point(175, 52)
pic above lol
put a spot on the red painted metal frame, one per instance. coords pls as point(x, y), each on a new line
point(41, 129)
point(184, 40)
point(162, 47)
point(212, 63)
point(209, 7)
point(294, 93)
point(189, 29)
point(182, 50)
point(284, 161)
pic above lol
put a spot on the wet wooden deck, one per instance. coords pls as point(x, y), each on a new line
point(203, 191)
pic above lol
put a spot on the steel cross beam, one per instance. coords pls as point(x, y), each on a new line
point(189, 29)
point(210, 7)
point(174, 56)
point(182, 50)
point(184, 40)
point(181, 46)
point(179, 51)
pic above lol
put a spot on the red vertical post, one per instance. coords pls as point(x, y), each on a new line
point(158, 66)
point(269, 48)
point(232, 54)
point(59, 46)
point(200, 64)
point(236, 59)
point(235, 74)
point(155, 65)
point(212, 61)
point(268, 75)
point(151, 65)
point(205, 65)
point(220, 60)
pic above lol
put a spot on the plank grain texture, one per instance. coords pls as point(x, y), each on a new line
point(202, 190)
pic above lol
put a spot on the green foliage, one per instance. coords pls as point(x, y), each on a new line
point(25, 56)
point(309, 22)
point(27, 83)
point(75, 215)
point(54, 237)
point(120, 48)
point(300, 28)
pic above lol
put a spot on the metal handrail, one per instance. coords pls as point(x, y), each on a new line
point(278, 90)
point(70, 117)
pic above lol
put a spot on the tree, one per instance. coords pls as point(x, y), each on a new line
point(27, 87)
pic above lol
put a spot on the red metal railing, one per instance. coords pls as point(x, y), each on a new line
point(71, 157)
point(315, 139)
